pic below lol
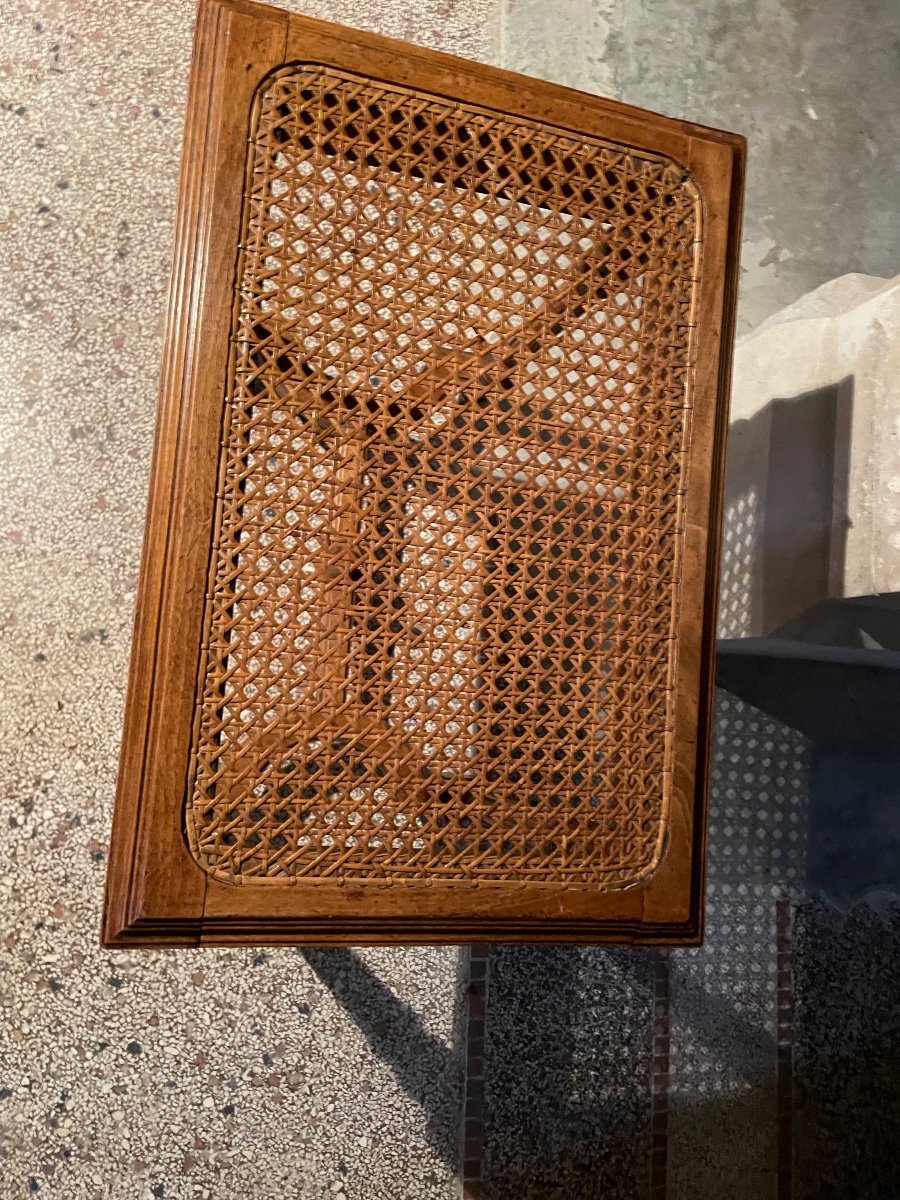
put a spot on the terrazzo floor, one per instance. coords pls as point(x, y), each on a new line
point(762, 1066)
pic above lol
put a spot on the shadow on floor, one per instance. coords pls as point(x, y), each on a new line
point(568, 1104)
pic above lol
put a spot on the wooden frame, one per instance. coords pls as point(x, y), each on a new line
point(157, 894)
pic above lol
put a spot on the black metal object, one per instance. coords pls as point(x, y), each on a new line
point(833, 673)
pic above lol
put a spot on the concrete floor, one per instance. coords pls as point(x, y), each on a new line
point(260, 1074)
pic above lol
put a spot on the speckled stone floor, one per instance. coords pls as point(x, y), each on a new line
point(369, 1074)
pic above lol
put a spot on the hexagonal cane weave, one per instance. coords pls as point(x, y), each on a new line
point(438, 643)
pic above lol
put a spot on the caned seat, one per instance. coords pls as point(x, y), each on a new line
point(461, 490)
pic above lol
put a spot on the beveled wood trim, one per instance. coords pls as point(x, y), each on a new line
point(150, 870)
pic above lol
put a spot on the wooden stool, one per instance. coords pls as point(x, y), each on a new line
point(426, 623)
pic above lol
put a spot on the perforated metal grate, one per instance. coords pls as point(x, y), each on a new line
point(446, 559)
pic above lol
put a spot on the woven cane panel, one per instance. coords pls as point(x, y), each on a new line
point(438, 642)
